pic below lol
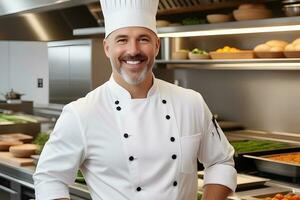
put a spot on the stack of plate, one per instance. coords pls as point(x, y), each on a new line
point(249, 11)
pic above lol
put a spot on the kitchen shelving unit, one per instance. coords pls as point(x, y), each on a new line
point(267, 26)
point(234, 64)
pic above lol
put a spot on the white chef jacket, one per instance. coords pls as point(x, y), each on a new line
point(135, 149)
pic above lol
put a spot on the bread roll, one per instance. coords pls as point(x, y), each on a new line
point(262, 47)
point(297, 41)
point(289, 47)
point(162, 23)
point(276, 49)
point(297, 47)
point(277, 43)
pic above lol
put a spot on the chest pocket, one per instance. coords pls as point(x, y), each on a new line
point(189, 149)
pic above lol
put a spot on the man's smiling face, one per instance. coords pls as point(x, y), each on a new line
point(132, 52)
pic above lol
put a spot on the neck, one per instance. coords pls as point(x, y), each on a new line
point(138, 91)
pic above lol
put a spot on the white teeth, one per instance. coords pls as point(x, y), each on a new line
point(131, 62)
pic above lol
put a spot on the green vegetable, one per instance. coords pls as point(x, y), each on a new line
point(41, 140)
point(199, 51)
point(243, 146)
point(26, 118)
point(13, 118)
point(192, 21)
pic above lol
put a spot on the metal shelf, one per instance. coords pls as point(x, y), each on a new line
point(282, 21)
point(234, 64)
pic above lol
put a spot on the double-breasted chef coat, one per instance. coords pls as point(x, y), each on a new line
point(135, 149)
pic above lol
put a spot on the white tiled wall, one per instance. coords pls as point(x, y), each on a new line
point(4, 69)
point(21, 64)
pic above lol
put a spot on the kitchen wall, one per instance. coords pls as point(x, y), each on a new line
point(260, 100)
point(21, 64)
point(4, 67)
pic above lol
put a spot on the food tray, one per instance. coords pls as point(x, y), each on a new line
point(242, 163)
point(270, 195)
point(232, 55)
point(265, 164)
point(267, 54)
point(245, 146)
point(193, 56)
point(292, 54)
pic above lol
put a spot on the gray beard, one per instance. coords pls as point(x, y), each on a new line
point(127, 78)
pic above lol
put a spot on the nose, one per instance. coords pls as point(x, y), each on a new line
point(133, 48)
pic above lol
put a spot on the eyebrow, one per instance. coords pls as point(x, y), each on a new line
point(126, 36)
point(146, 35)
point(120, 36)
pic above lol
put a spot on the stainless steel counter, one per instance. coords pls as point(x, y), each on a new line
point(23, 176)
point(292, 138)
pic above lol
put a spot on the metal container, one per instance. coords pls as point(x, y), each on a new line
point(12, 95)
point(244, 164)
point(267, 165)
point(291, 10)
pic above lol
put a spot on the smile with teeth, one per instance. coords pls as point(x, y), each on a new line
point(133, 62)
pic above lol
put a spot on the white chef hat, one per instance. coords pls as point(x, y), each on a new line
point(127, 13)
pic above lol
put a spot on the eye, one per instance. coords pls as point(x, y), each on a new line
point(144, 39)
point(121, 41)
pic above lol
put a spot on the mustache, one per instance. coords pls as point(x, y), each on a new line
point(135, 57)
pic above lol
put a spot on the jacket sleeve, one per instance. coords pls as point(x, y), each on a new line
point(60, 158)
point(215, 152)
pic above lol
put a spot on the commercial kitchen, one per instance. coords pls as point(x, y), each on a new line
point(242, 56)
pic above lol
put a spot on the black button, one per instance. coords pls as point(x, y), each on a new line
point(126, 135)
point(175, 183)
point(138, 189)
point(164, 101)
point(174, 156)
point(131, 158)
point(172, 139)
point(117, 102)
point(118, 108)
point(168, 117)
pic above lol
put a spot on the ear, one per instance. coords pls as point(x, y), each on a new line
point(106, 47)
point(157, 46)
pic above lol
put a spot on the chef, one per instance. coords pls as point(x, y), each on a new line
point(136, 137)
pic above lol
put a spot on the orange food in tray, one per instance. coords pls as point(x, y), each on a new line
point(290, 158)
point(284, 197)
point(227, 49)
point(228, 52)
